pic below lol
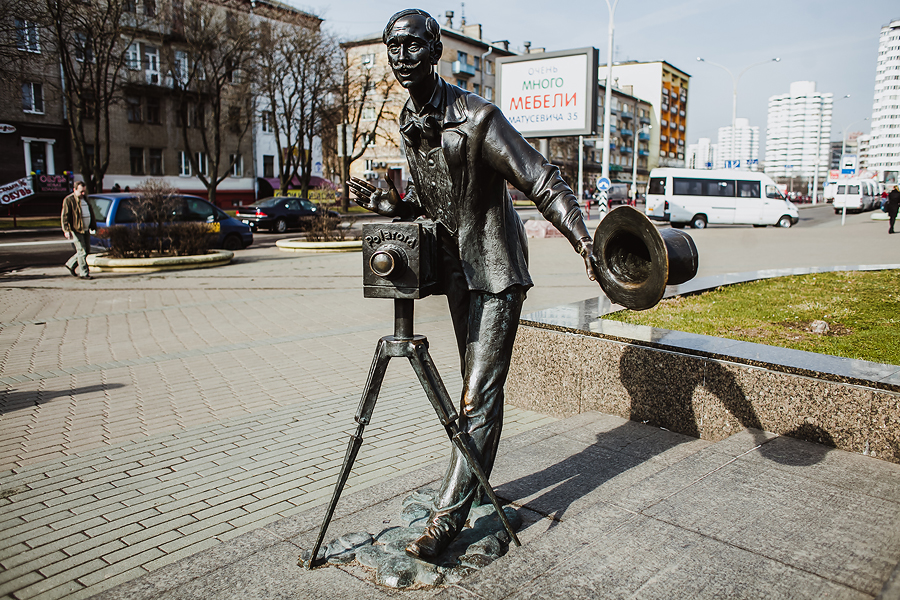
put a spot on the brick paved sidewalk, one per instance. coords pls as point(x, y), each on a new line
point(145, 418)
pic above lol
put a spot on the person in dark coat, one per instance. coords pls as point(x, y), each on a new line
point(461, 152)
point(893, 203)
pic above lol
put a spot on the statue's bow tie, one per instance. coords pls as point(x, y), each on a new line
point(419, 127)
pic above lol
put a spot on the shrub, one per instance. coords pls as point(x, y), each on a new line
point(324, 229)
point(154, 233)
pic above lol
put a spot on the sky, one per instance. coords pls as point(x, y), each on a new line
point(832, 43)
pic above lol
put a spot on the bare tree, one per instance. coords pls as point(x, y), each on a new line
point(90, 40)
point(365, 102)
point(297, 65)
point(212, 81)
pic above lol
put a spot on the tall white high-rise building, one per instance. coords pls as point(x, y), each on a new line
point(741, 145)
point(701, 155)
point(884, 142)
point(798, 132)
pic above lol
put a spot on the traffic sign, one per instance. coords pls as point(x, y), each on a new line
point(603, 184)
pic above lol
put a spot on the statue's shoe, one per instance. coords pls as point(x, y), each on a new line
point(432, 543)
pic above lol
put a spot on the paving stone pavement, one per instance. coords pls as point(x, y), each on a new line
point(145, 418)
point(148, 417)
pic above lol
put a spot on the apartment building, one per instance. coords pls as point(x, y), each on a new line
point(467, 62)
point(884, 143)
point(738, 148)
point(630, 136)
point(34, 137)
point(702, 155)
point(665, 87)
point(798, 132)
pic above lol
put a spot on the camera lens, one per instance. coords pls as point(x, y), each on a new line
point(387, 262)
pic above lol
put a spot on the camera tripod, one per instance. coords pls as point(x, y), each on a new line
point(414, 347)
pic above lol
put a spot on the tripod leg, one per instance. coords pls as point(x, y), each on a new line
point(437, 394)
point(363, 415)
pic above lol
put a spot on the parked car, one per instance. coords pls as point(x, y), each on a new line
point(281, 213)
point(122, 209)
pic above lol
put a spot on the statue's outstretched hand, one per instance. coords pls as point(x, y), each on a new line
point(384, 202)
point(590, 261)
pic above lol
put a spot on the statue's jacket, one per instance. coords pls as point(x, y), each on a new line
point(482, 151)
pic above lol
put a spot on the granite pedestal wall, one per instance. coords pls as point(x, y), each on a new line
point(705, 387)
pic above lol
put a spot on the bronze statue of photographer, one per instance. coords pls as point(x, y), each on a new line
point(461, 152)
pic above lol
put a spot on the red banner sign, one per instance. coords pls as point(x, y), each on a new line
point(15, 191)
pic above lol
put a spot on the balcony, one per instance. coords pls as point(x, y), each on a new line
point(624, 114)
point(644, 120)
point(626, 132)
point(644, 136)
point(643, 153)
point(462, 68)
point(626, 150)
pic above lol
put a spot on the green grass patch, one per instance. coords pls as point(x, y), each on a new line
point(861, 308)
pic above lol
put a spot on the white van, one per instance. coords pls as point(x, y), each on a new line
point(856, 195)
point(699, 197)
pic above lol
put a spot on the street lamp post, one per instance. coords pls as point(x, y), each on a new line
point(634, 158)
point(844, 135)
point(604, 170)
point(815, 190)
point(734, 82)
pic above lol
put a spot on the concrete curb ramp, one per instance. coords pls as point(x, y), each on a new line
point(104, 264)
point(305, 246)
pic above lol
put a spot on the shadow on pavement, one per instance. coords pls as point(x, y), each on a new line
point(11, 401)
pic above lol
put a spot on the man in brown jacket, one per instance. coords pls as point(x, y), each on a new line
point(77, 224)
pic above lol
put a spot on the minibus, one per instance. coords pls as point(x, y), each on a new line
point(699, 197)
point(856, 195)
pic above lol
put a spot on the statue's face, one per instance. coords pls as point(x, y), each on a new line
point(410, 52)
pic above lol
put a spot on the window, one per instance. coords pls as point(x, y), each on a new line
point(265, 119)
point(129, 6)
point(461, 83)
point(687, 187)
point(717, 187)
point(368, 113)
point(201, 163)
point(133, 109)
point(234, 119)
point(198, 210)
point(126, 212)
point(151, 64)
point(154, 161)
point(773, 192)
point(268, 166)
point(136, 156)
point(133, 57)
point(476, 62)
point(83, 50)
point(180, 67)
point(368, 60)
point(748, 189)
point(476, 88)
point(27, 36)
point(488, 93)
point(489, 67)
point(237, 165)
point(852, 189)
point(462, 57)
point(657, 185)
point(184, 164)
point(150, 8)
point(33, 98)
point(153, 110)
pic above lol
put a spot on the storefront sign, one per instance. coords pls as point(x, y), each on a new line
point(7, 128)
point(551, 93)
point(15, 191)
point(51, 184)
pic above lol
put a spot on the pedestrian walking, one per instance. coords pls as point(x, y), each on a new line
point(78, 224)
point(893, 204)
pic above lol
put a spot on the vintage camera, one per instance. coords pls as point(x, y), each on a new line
point(400, 259)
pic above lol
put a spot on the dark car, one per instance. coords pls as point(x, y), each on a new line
point(121, 209)
point(280, 213)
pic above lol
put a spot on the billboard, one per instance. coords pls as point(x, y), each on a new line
point(549, 94)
